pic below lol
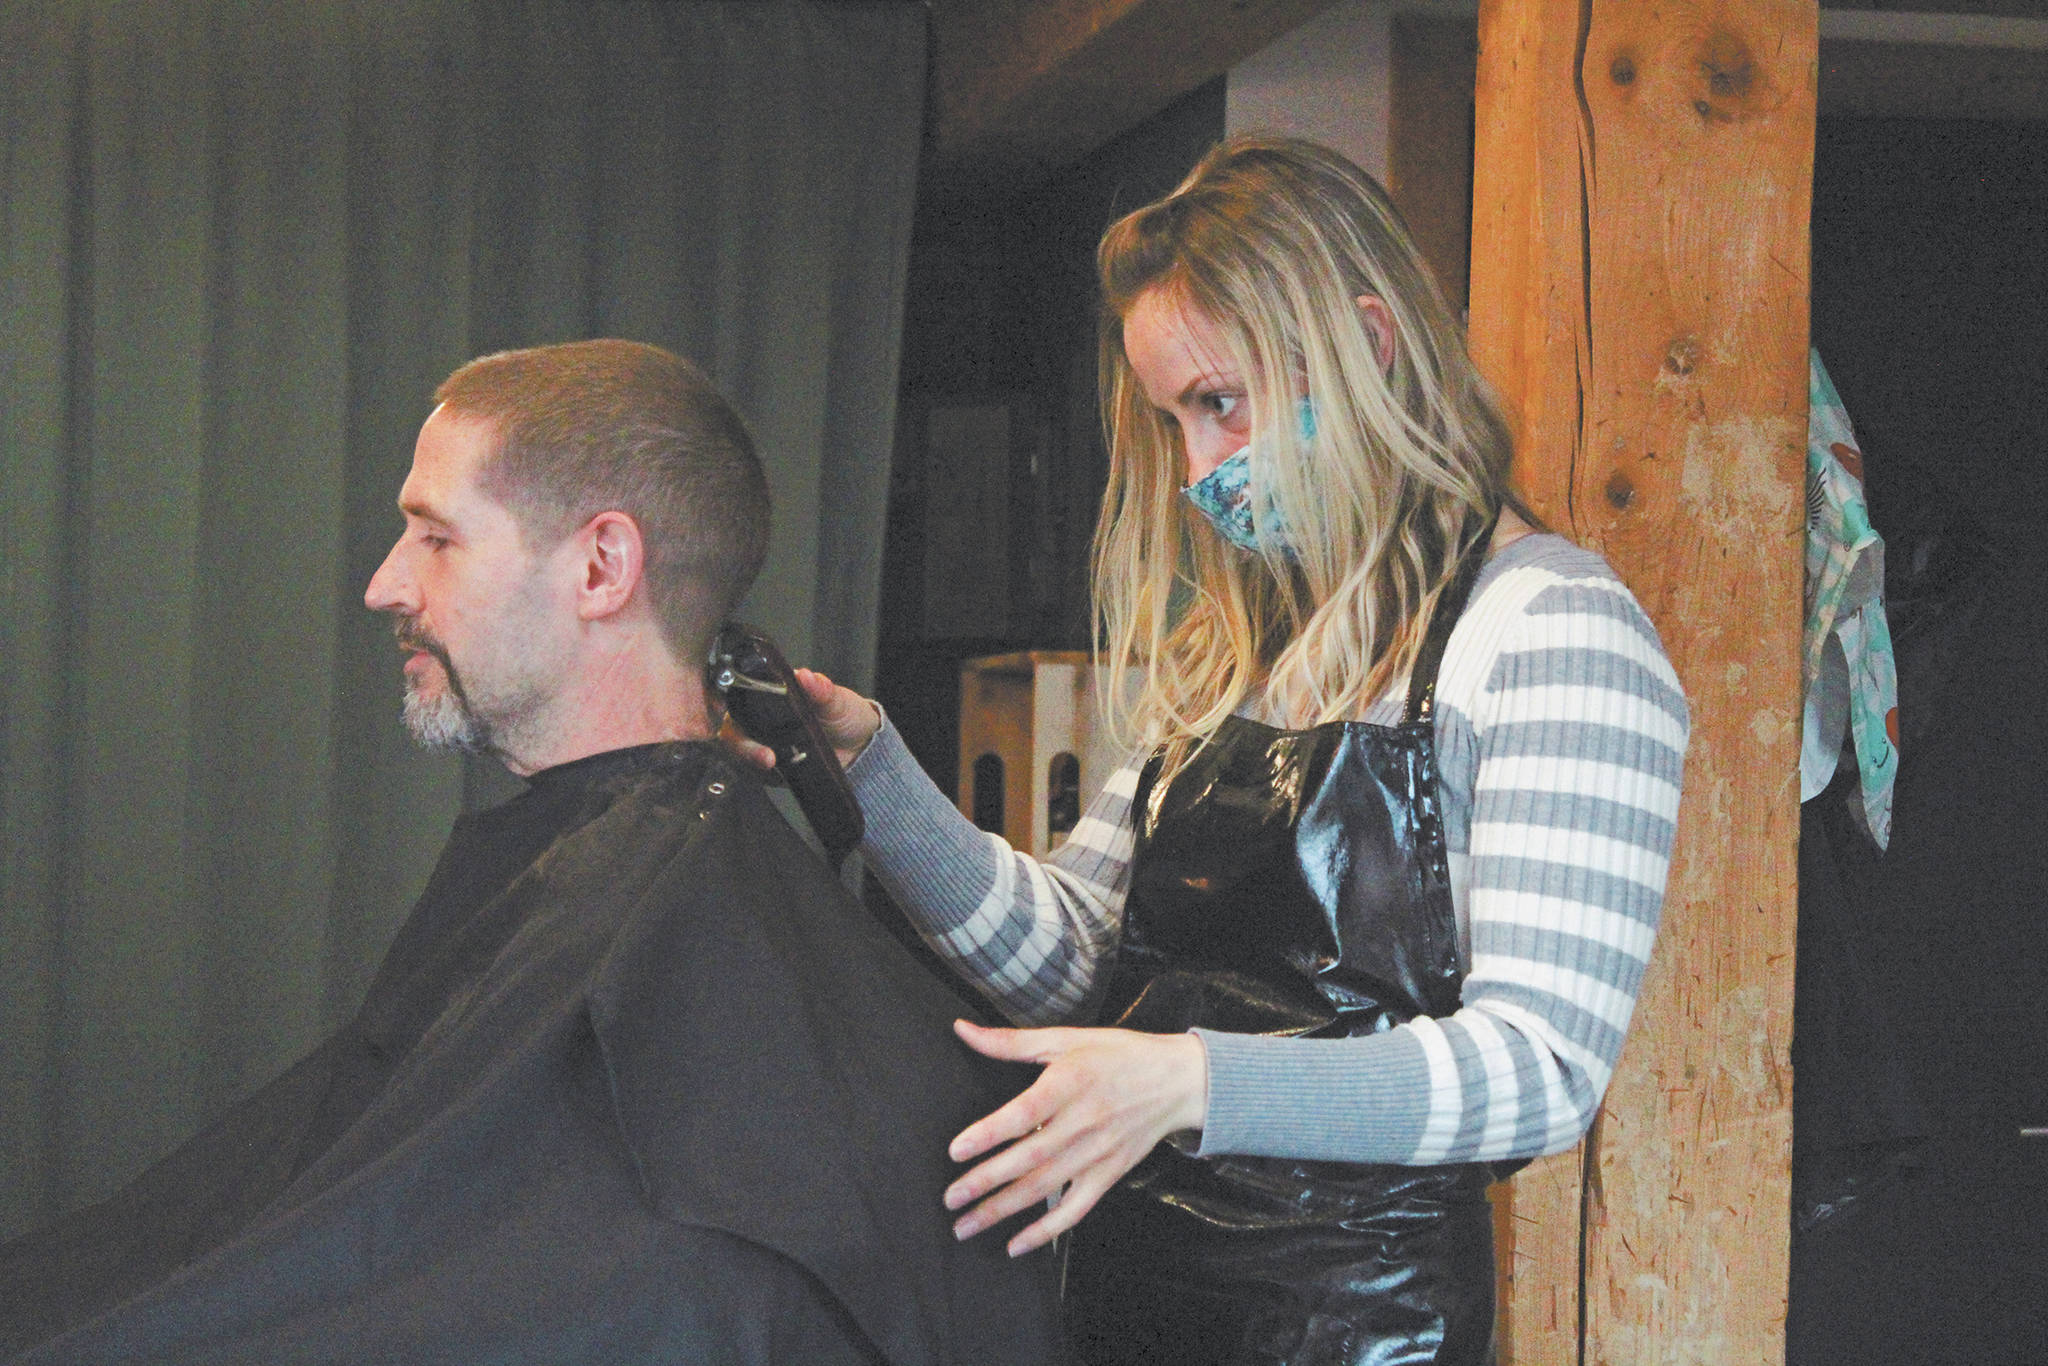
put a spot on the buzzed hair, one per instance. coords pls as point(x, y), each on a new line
point(597, 426)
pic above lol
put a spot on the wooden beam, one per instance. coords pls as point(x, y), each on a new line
point(1639, 294)
point(1023, 87)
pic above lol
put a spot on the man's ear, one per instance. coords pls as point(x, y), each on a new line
point(1379, 325)
point(613, 561)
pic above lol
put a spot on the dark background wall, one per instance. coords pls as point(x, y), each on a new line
point(1001, 308)
point(1930, 306)
point(1921, 1014)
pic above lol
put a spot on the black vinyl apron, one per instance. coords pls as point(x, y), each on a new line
point(1291, 883)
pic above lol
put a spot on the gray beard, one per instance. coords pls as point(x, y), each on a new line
point(444, 722)
point(451, 719)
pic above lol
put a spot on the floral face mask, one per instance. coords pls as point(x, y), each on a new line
point(1224, 494)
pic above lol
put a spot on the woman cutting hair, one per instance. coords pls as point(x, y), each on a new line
point(1363, 921)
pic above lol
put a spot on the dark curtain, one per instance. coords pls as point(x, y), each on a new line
point(240, 242)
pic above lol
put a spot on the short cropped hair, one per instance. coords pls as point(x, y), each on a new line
point(596, 426)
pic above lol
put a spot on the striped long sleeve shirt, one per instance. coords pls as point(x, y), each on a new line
point(1561, 733)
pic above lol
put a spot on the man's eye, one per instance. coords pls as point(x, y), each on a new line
point(432, 541)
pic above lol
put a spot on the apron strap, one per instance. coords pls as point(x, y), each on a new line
point(1449, 607)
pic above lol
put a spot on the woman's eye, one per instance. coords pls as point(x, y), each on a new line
point(1222, 403)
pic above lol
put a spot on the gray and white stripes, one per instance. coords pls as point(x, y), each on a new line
point(1562, 735)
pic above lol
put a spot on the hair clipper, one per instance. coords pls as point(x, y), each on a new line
point(768, 705)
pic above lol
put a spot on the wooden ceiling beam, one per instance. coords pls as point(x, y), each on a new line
point(1023, 87)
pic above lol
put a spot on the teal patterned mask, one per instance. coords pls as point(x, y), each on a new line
point(1224, 495)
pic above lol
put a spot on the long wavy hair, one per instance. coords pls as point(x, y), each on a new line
point(1275, 239)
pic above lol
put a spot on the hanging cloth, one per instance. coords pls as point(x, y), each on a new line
point(1849, 680)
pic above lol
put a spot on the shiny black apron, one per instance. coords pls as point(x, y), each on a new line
point(1291, 883)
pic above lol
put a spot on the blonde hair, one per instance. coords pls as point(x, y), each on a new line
point(1275, 239)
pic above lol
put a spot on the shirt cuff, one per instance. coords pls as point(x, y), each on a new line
point(1336, 1100)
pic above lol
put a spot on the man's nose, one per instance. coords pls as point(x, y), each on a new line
point(391, 588)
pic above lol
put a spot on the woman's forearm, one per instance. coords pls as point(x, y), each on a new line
point(1028, 933)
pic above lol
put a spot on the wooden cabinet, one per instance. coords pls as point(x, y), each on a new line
point(1033, 750)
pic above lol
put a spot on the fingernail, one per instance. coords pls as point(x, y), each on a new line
point(1017, 1248)
point(955, 1197)
point(964, 1229)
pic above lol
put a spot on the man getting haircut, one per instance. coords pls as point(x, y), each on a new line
point(637, 1080)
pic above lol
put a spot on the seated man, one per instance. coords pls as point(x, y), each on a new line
point(637, 1082)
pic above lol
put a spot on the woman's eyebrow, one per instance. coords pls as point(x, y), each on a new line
point(1208, 379)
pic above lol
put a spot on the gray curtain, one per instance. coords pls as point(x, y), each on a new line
point(239, 244)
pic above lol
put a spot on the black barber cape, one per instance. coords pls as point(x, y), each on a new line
point(637, 1082)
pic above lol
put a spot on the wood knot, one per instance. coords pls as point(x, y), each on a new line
point(1683, 357)
point(1729, 71)
point(1725, 60)
point(1623, 69)
point(1620, 492)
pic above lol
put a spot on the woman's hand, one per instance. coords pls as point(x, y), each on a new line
point(1105, 1098)
point(849, 721)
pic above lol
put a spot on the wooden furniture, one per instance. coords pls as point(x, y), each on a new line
point(1032, 749)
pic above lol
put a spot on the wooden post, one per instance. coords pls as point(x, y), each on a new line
point(1642, 189)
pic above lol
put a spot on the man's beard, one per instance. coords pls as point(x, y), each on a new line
point(442, 720)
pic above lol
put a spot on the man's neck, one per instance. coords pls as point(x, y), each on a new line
point(639, 698)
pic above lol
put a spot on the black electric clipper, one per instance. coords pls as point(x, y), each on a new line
point(768, 705)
